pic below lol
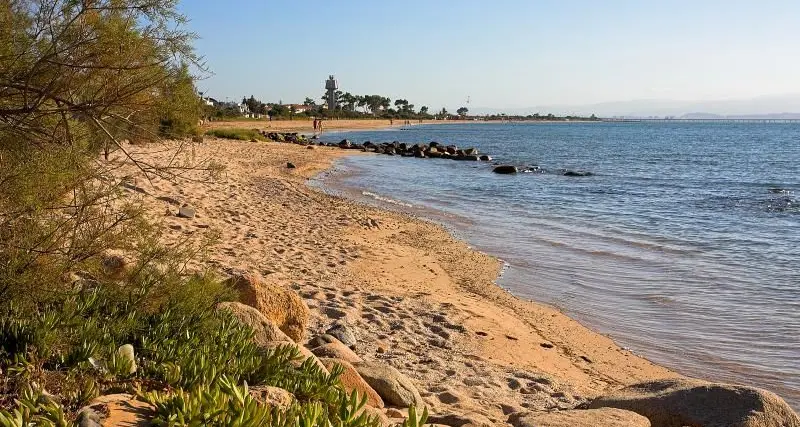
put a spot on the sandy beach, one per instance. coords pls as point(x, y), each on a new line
point(418, 298)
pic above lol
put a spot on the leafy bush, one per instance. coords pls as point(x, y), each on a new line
point(194, 366)
point(240, 134)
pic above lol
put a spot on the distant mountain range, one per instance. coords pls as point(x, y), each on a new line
point(764, 107)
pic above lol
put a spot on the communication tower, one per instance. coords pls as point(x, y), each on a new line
point(331, 86)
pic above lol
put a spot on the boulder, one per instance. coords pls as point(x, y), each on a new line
point(187, 211)
point(395, 388)
point(336, 350)
point(471, 151)
point(452, 149)
point(352, 380)
point(344, 333)
point(272, 396)
point(505, 169)
point(116, 410)
point(458, 420)
point(320, 340)
point(304, 352)
point(486, 158)
point(606, 417)
point(264, 330)
point(281, 305)
point(687, 402)
point(345, 144)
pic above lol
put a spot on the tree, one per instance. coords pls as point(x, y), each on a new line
point(462, 111)
point(423, 110)
point(310, 102)
point(76, 78)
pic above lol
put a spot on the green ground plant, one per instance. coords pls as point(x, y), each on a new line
point(238, 134)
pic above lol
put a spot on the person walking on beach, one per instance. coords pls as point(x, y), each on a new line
point(315, 124)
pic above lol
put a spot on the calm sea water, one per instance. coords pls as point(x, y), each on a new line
point(683, 246)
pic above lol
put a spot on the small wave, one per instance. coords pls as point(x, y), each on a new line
point(386, 199)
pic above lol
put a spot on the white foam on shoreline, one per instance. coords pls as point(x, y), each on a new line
point(386, 199)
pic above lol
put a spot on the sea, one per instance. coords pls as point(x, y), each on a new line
point(682, 244)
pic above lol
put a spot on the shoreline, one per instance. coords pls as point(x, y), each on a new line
point(419, 299)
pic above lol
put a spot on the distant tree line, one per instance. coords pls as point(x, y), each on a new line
point(349, 106)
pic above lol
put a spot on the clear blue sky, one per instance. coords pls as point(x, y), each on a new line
point(502, 54)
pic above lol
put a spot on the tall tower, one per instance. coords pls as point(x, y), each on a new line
point(331, 86)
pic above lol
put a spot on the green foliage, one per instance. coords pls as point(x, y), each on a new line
point(33, 408)
point(240, 134)
point(194, 365)
point(179, 106)
point(413, 420)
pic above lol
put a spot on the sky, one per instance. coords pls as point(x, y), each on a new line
point(500, 53)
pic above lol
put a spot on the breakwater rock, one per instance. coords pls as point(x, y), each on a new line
point(432, 150)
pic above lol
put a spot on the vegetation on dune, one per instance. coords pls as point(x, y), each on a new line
point(240, 134)
point(82, 272)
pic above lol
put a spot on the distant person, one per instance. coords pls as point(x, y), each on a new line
point(391, 122)
point(315, 124)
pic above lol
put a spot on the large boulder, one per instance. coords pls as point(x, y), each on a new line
point(336, 350)
point(352, 380)
point(264, 330)
point(395, 388)
point(116, 410)
point(606, 417)
point(281, 305)
point(688, 402)
point(461, 420)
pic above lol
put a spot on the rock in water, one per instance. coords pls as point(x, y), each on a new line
point(344, 333)
point(125, 352)
point(606, 417)
point(281, 305)
point(264, 330)
point(687, 402)
point(577, 173)
point(187, 211)
point(395, 388)
point(505, 169)
point(486, 158)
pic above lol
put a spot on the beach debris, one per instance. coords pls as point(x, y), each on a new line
point(187, 211)
point(505, 169)
point(290, 165)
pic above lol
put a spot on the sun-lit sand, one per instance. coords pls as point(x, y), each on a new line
point(418, 298)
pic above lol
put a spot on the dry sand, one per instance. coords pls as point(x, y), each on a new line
point(418, 298)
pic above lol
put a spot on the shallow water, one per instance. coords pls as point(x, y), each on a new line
point(683, 245)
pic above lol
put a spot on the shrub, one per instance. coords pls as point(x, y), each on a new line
point(240, 134)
